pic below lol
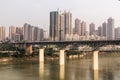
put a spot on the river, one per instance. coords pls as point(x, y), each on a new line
point(75, 69)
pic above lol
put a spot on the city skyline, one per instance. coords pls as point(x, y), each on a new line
point(60, 24)
point(61, 30)
point(36, 12)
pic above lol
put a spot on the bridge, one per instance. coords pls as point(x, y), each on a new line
point(84, 42)
point(94, 43)
point(62, 44)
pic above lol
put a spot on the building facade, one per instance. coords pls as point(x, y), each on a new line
point(104, 26)
point(110, 29)
point(117, 33)
point(77, 26)
point(2, 33)
point(83, 28)
point(54, 26)
point(92, 29)
point(12, 32)
point(27, 32)
point(68, 22)
point(100, 31)
point(60, 25)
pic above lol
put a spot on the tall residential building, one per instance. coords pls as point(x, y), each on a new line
point(41, 34)
point(110, 29)
point(104, 26)
point(38, 35)
point(74, 30)
point(117, 33)
point(34, 33)
point(77, 26)
point(100, 31)
point(19, 34)
point(33, 30)
point(54, 25)
point(12, 32)
point(2, 33)
point(92, 29)
point(83, 28)
point(27, 32)
point(68, 22)
point(62, 27)
point(46, 35)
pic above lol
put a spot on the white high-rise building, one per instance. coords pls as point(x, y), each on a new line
point(12, 31)
point(2, 33)
point(110, 29)
point(100, 31)
point(83, 28)
point(77, 26)
point(117, 33)
point(46, 35)
point(68, 22)
point(62, 27)
point(92, 28)
point(41, 34)
point(27, 32)
point(104, 26)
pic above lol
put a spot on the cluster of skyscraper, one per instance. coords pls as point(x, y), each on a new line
point(26, 33)
point(61, 28)
point(104, 32)
point(32, 33)
point(60, 25)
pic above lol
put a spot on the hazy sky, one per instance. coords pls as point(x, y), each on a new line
point(36, 12)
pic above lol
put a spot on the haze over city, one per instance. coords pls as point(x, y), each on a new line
point(36, 12)
point(59, 39)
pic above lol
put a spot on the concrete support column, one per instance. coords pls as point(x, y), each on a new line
point(62, 57)
point(95, 60)
point(28, 49)
point(41, 55)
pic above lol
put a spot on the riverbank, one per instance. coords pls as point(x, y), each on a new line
point(35, 59)
point(11, 60)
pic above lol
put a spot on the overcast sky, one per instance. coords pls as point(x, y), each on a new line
point(36, 12)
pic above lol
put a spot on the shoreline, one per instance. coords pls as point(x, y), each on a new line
point(10, 60)
point(35, 59)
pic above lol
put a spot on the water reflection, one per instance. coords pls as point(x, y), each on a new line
point(41, 71)
point(62, 72)
point(108, 75)
point(95, 74)
point(109, 69)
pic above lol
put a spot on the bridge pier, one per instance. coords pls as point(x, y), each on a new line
point(41, 55)
point(95, 60)
point(62, 57)
point(29, 49)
